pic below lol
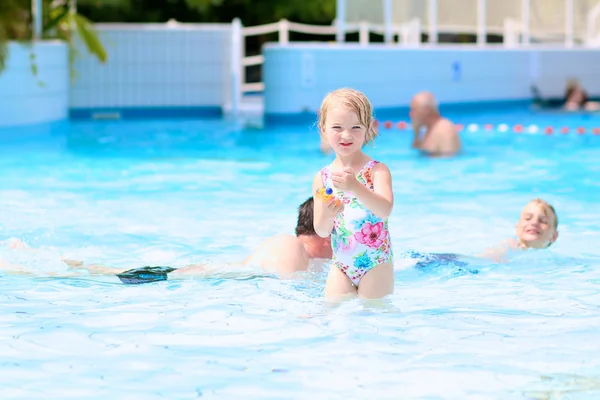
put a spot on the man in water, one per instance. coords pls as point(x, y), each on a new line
point(280, 255)
point(441, 137)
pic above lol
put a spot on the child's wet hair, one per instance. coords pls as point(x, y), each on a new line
point(354, 101)
point(548, 208)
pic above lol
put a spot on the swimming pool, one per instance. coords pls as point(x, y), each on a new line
point(130, 193)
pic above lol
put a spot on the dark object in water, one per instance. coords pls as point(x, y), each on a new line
point(145, 274)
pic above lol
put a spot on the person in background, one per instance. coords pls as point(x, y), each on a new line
point(281, 255)
point(537, 228)
point(441, 137)
point(576, 98)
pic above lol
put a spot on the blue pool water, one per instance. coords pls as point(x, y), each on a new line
point(126, 194)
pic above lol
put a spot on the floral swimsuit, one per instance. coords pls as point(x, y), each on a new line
point(360, 240)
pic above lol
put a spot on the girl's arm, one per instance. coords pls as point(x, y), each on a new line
point(380, 201)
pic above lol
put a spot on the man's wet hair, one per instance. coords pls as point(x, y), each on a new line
point(305, 218)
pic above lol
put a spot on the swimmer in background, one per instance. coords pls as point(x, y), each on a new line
point(441, 138)
point(537, 229)
point(281, 255)
point(356, 216)
point(576, 98)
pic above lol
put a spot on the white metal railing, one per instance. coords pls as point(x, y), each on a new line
point(512, 32)
point(593, 36)
point(409, 34)
point(516, 32)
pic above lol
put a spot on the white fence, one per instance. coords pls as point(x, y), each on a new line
point(515, 32)
point(204, 65)
point(408, 34)
point(593, 34)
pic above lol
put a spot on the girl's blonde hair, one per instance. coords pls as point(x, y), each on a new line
point(352, 100)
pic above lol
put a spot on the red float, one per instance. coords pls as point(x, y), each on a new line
point(518, 128)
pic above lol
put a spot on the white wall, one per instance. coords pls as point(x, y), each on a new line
point(298, 76)
point(26, 98)
point(156, 65)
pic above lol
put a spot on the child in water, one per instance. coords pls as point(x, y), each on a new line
point(356, 215)
point(536, 229)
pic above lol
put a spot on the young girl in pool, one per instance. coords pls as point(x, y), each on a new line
point(356, 216)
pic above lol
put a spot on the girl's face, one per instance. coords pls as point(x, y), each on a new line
point(343, 131)
point(535, 228)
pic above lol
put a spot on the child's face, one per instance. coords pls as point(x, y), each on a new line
point(343, 131)
point(535, 228)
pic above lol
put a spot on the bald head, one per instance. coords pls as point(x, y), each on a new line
point(425, 100)
point(423, 108)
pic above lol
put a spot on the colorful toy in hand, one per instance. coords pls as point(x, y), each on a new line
point(325, 193)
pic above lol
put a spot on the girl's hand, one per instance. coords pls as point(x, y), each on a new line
point(345, 179)
point(332, 207)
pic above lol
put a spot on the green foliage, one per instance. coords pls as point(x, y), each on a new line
point(251, 12)
point(59, 22)
point(13, 25)
point(66, 25)
point(3, 50)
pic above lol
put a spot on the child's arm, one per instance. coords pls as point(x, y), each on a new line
point(380, 201)
point(500, 252)
point(324, 211)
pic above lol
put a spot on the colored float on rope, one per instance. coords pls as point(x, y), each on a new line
point(518, 128)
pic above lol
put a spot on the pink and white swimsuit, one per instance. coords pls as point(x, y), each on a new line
point(360, 240)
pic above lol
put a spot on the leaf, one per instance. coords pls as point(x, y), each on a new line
point(89, 37)
point(55, 20)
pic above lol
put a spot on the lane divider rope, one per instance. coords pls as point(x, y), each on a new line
point(518, 128)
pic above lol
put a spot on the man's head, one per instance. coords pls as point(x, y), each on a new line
point(423, 107)
point(573, 83)
point(537, 226)
point(318, 247)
